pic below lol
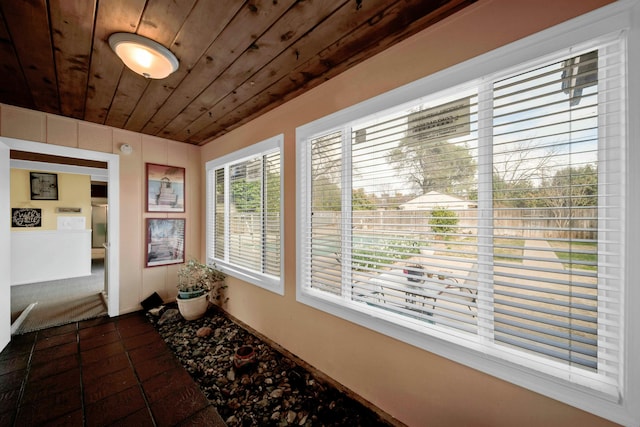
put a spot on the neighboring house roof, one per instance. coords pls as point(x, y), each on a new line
point(434, 199)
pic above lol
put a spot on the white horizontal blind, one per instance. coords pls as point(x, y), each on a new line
point(553, 210)
point(403, 240)
point(393, 228)
point(244, 214)
point(271, 208)
point(325, 244)
point(218, 210)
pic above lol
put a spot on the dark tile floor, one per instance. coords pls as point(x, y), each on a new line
point(107, 371)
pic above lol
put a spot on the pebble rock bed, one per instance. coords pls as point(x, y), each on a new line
point(272, 391)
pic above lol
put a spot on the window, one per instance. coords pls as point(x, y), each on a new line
point(244, 223)
point(487, 215)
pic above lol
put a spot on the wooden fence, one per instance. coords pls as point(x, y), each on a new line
point(528, 223)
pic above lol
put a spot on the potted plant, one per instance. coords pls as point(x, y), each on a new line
point(198, 283)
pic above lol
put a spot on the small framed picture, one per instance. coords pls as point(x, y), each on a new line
point(165, 188)
point(165, 241)
point(44, 186)
point(26, 217)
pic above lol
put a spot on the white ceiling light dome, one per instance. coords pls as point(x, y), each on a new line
point(144, 56)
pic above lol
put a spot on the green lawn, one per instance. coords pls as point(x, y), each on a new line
point(577, 253)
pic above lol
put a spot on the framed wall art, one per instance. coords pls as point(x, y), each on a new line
point(26, 217)
point(165, 188)
point(165, 241)
point(44, 186)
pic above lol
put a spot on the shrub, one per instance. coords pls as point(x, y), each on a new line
point(443, 220)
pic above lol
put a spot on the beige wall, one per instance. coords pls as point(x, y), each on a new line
point(74, 191)
point(136, 282)
point(414, 386)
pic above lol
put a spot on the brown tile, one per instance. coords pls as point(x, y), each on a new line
point(136, 341)
point(94, 322)
point(98, 340)
point(12, 380)
point(9, 400)
point(15, 363)
point(136, 329)
point(73, 418)
point(208, 417)
point(108, 385)
point(163, 384)
point(37, 390)
point(52, 353)
point(58, 330)
point(97, 330)
point(56, 366)
point(102, 352)
point(157, 365)
point(51, 341)
point(6, 419)
point(19, 344)
point(132, 320)
point(104, 367)
point(148, 351)
point(115, 407)
point(50, 407)
point(182, 403)
point(141, 418)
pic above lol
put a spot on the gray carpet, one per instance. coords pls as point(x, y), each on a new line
point(59, 302)
point(61, 312)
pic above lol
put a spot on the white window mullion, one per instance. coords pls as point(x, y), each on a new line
point(210, 214)
point(347, 230)
point(304, 223)
point(263, 213)
point(485, 212)
point(227, 212)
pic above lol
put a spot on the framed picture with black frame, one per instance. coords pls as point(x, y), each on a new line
point(165, 188)
point(44, 186)
point(165, 241)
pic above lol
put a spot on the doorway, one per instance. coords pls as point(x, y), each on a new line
point(112, 184)
point(56, 299)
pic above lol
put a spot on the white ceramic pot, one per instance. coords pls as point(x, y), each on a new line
point(193, 308)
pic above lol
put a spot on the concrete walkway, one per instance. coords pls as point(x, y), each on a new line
point(539, 254)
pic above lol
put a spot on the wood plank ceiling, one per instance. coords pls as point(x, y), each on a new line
point(238, 59)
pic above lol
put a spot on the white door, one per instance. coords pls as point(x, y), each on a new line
point(5, 248)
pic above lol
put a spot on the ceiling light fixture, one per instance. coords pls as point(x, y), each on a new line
point(143, 56)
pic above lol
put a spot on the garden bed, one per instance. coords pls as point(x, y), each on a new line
point(275, 390)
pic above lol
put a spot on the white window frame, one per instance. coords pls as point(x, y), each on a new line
point(267, 281)
point(624, 408)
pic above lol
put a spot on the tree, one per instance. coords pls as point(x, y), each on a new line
point(573, 187)
point(245, 195)
point(516, 171)
point(569, 188)
point(272, 187)
point(434, 165)
point(326, 195)
point(361, 201)
point(518, 193)
point(326, 158)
